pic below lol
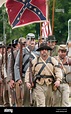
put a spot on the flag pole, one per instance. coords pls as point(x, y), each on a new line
point(47, 9)
point(53, 16)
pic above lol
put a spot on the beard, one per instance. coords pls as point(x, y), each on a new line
point(44, 54)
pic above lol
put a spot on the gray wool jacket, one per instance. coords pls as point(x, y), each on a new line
point(25, 62)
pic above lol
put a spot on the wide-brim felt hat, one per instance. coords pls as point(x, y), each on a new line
point(52, 38)
point(43, 46)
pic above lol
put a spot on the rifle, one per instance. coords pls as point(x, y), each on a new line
point(2, 73)
point(12, 62)
point(19, 88)
point(30, 80)
point(21, 58)
point(12, 92)
point(6, 56)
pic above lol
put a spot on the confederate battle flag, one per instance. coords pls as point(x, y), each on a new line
point(24, 12)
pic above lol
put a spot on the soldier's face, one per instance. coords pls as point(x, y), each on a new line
point(51, 44)
point(44, 53)
point(32, 42)
point(62, 53)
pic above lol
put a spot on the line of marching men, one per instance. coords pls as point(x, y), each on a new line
point(34, 74)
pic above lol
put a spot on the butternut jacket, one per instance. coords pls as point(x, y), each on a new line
point(53, 66)
point(64, 64)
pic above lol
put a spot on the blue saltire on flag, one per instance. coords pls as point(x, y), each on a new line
point(24, 12)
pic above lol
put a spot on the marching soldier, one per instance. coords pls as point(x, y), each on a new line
point(4, 76)
point(40, 40)
point(10, 71)
point(52, 42)
point(61, 96)
point(27, 52)
point(45, 71)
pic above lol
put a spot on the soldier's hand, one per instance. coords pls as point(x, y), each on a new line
point(19, 82)
point(28, 85)
point(12, 84)
point(57, 83)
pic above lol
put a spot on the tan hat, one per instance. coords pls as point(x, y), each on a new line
point(63, 47)
point(22, 39)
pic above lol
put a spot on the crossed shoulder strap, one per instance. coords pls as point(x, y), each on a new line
point(47, 61)
point(31, 52)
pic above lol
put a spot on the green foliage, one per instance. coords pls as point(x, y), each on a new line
point(61, 18)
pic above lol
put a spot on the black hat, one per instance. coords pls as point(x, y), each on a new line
point(51, 38)
point(43, 46)
point(14, 42)
point(8, 46)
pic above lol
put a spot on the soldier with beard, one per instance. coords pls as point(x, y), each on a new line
point(27, 52)
point(45, 70)
point(52, 42)
point(61, 96)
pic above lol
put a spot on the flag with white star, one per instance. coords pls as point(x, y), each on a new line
point(24, 12)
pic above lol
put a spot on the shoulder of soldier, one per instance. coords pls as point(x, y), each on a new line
point(56, 47)
point(25, 50)
point(54, 60)
point(56, 57)
point(35, 60)
point(9, 54)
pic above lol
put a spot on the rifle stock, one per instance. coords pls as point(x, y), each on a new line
point(12, 96)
